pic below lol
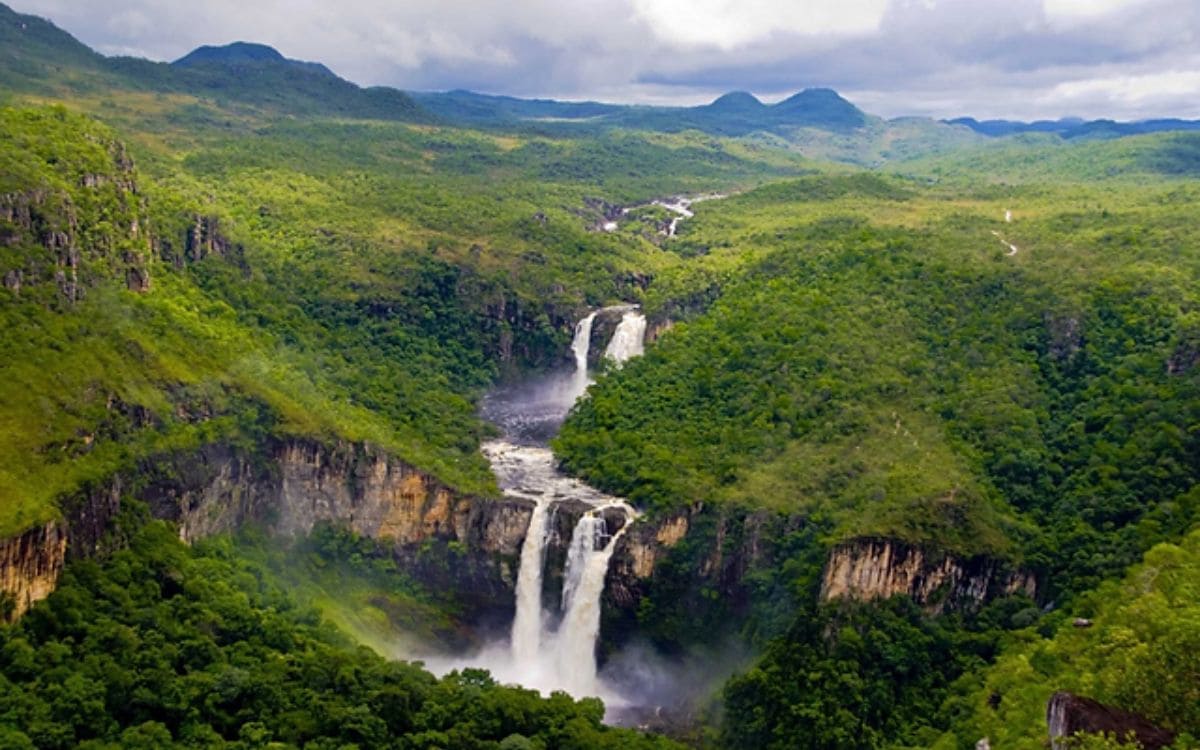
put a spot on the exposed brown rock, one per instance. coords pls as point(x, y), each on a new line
point(880, 568)
point(30, 565)
point(1068, 714)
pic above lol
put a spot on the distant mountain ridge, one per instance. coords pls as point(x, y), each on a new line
point(1075, 127)
point(35, 56)
point(735, 113)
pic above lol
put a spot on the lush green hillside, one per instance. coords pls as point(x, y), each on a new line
point(1141, 652)
point(872, 356)
point(1046, 158)
point(356, 279)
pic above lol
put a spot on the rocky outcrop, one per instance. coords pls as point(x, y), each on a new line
point(1067, 715)
point(444, 538)
point(694, 565)
point(300, 483)
point(45, 225)
point(31, 562)
point(865, 569)
point(29, 567)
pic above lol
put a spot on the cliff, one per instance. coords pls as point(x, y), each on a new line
point(446, 539)
point(880, 568)
point(29, 567)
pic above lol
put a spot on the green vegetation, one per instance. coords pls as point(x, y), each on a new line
point(874, 361)
point(1141, 652)
point(861, 354)
point(163, 647)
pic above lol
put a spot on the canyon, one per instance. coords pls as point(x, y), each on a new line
point(580, 542)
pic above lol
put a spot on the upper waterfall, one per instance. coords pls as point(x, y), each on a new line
point(582, 343)
point(629, 340)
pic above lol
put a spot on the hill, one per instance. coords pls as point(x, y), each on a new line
point(40, 58)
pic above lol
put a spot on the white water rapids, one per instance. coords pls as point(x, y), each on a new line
point(538, 655)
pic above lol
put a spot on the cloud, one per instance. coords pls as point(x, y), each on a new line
point(1014, 58)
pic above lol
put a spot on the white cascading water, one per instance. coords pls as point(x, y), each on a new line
point(527, 623)
point(579, 346)
point(629, 339)
point(537, 656)
point(587, 564)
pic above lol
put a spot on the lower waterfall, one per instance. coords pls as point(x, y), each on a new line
point(527, 624)
point(575, 641)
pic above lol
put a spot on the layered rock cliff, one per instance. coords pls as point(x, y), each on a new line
point(29, 567)
point(867, 569)
point(446, 539)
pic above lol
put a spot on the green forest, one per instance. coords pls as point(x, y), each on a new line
point(982, 353)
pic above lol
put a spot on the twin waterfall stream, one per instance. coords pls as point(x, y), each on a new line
point(552, 645)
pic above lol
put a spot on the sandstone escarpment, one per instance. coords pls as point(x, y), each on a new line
point(444, 538)
point(30, 565)
point(300, 483)
point(865, 569)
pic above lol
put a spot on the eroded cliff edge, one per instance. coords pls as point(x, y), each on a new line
point(451, 541)
point(444, 538)
point(872, 568)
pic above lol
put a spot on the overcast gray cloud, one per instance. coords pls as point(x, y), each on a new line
point(1126, 59)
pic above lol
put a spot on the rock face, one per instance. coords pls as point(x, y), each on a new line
point(879, 568)
point(303, 483)
point(1067, 714)
point(443, 538)
point(694, 564)
point(41, 230)
point(30, 565)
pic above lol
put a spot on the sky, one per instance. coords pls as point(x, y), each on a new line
point(1020, 59)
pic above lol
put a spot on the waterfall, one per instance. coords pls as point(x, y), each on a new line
point(580, 345)
point(527, 623)
point(587, 566)
point(536, 656)
point(629, 339)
